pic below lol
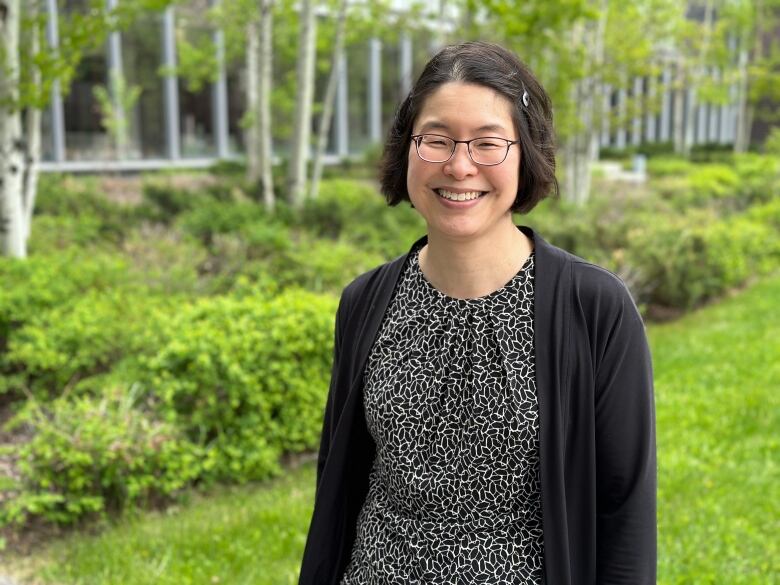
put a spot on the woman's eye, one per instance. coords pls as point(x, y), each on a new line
point(486, 145)
point(435, 142)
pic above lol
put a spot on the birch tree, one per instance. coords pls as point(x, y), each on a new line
point(581, 149)
point(299, 154)
point(757, 67)
point(13, 211)
point(259, 79)
point(337, 60)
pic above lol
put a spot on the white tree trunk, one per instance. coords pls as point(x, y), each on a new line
point(12, 213)
point(33, 132)
point(694, 82)
point(265, 78)
point(296, 179)
point(251, 135)
point(330, 94)
point(742, 134)
point(679, 107)
point(582, 148)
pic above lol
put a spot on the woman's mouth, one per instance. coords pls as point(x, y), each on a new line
point(468, 196)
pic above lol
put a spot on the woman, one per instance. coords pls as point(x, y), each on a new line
point(490, 416)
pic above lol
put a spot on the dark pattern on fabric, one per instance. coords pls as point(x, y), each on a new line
point(450, 401)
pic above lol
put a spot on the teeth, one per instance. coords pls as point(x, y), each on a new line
point(458, 196)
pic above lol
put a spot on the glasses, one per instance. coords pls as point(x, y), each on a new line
point(486, 150)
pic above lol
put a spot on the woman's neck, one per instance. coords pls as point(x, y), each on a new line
point(478, 267)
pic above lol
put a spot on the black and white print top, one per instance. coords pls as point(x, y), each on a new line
point(450, 401)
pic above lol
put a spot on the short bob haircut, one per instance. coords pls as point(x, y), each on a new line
point(499, 69)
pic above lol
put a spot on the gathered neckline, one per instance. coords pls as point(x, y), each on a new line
point(476, 301)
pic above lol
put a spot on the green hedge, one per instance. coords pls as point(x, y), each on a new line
point(61, 348)
point(91, 455)
point(245, 377)
point(688, 259)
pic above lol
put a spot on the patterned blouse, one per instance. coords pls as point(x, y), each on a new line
point(450, 401)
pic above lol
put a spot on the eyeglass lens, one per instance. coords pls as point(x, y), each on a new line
point(486, 151)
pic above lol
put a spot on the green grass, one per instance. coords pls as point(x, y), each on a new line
point(717, 374)
point(717, 377)
point(236, 536)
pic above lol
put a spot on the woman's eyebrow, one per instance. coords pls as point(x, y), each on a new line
point(437, 125)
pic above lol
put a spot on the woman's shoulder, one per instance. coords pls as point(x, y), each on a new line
point(367, 287)
point(596, 288)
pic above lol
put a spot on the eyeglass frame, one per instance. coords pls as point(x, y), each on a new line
point(417, 138)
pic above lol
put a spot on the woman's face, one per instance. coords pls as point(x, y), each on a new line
point(464, 111)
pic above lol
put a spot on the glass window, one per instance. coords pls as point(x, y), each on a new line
point(357, 89)
point(196, 120)
point(142, 56)
point(85, 137)
point(236, 96)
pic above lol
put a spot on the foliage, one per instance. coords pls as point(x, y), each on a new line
point(772, 144)
point(163, 200)
point(210, 218)
point(689, 259)
point(43, 282)
point(91, 455)
point(87, 336)
point(76, 202)
point(668, 166)
point(355, 211)
point(244, 377)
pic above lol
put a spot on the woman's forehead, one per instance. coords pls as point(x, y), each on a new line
point(467, 107)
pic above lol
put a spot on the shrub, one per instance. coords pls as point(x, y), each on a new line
point(321, 265)
point(340, 204)
point(355, 211)
point(85, 337)
point(91, 455)
point(690, 258)
point(39, 283)
point(668, 166)
point(51, 234)
point(772, 143)
point(759, 178)
point(245, 377)
point(163, 199)
point(82, 210)
point(213, 217)
point(165, 260)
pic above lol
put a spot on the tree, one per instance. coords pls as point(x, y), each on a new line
point(580, 50)
point(757, 68)
point(259, 86)
point(13, 207)
point(330, 93)
point(114, 106)
point(299, 155)
point(26, 76)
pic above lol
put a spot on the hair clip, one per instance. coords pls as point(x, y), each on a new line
point(525, 98)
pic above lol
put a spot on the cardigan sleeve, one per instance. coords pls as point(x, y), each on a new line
point(625, 451)
point(331, 418)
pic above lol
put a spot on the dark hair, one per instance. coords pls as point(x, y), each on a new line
point(499, 69)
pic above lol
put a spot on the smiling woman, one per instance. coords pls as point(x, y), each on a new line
point(490, 417)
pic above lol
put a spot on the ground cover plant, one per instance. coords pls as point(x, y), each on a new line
point(717, 411)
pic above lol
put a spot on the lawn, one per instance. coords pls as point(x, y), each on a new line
point(717, 375)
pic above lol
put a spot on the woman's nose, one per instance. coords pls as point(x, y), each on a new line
point(460, 164)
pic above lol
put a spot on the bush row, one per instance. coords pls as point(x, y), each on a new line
point(669, 259)
point(213, 389)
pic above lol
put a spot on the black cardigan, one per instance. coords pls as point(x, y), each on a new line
point(594, 383)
